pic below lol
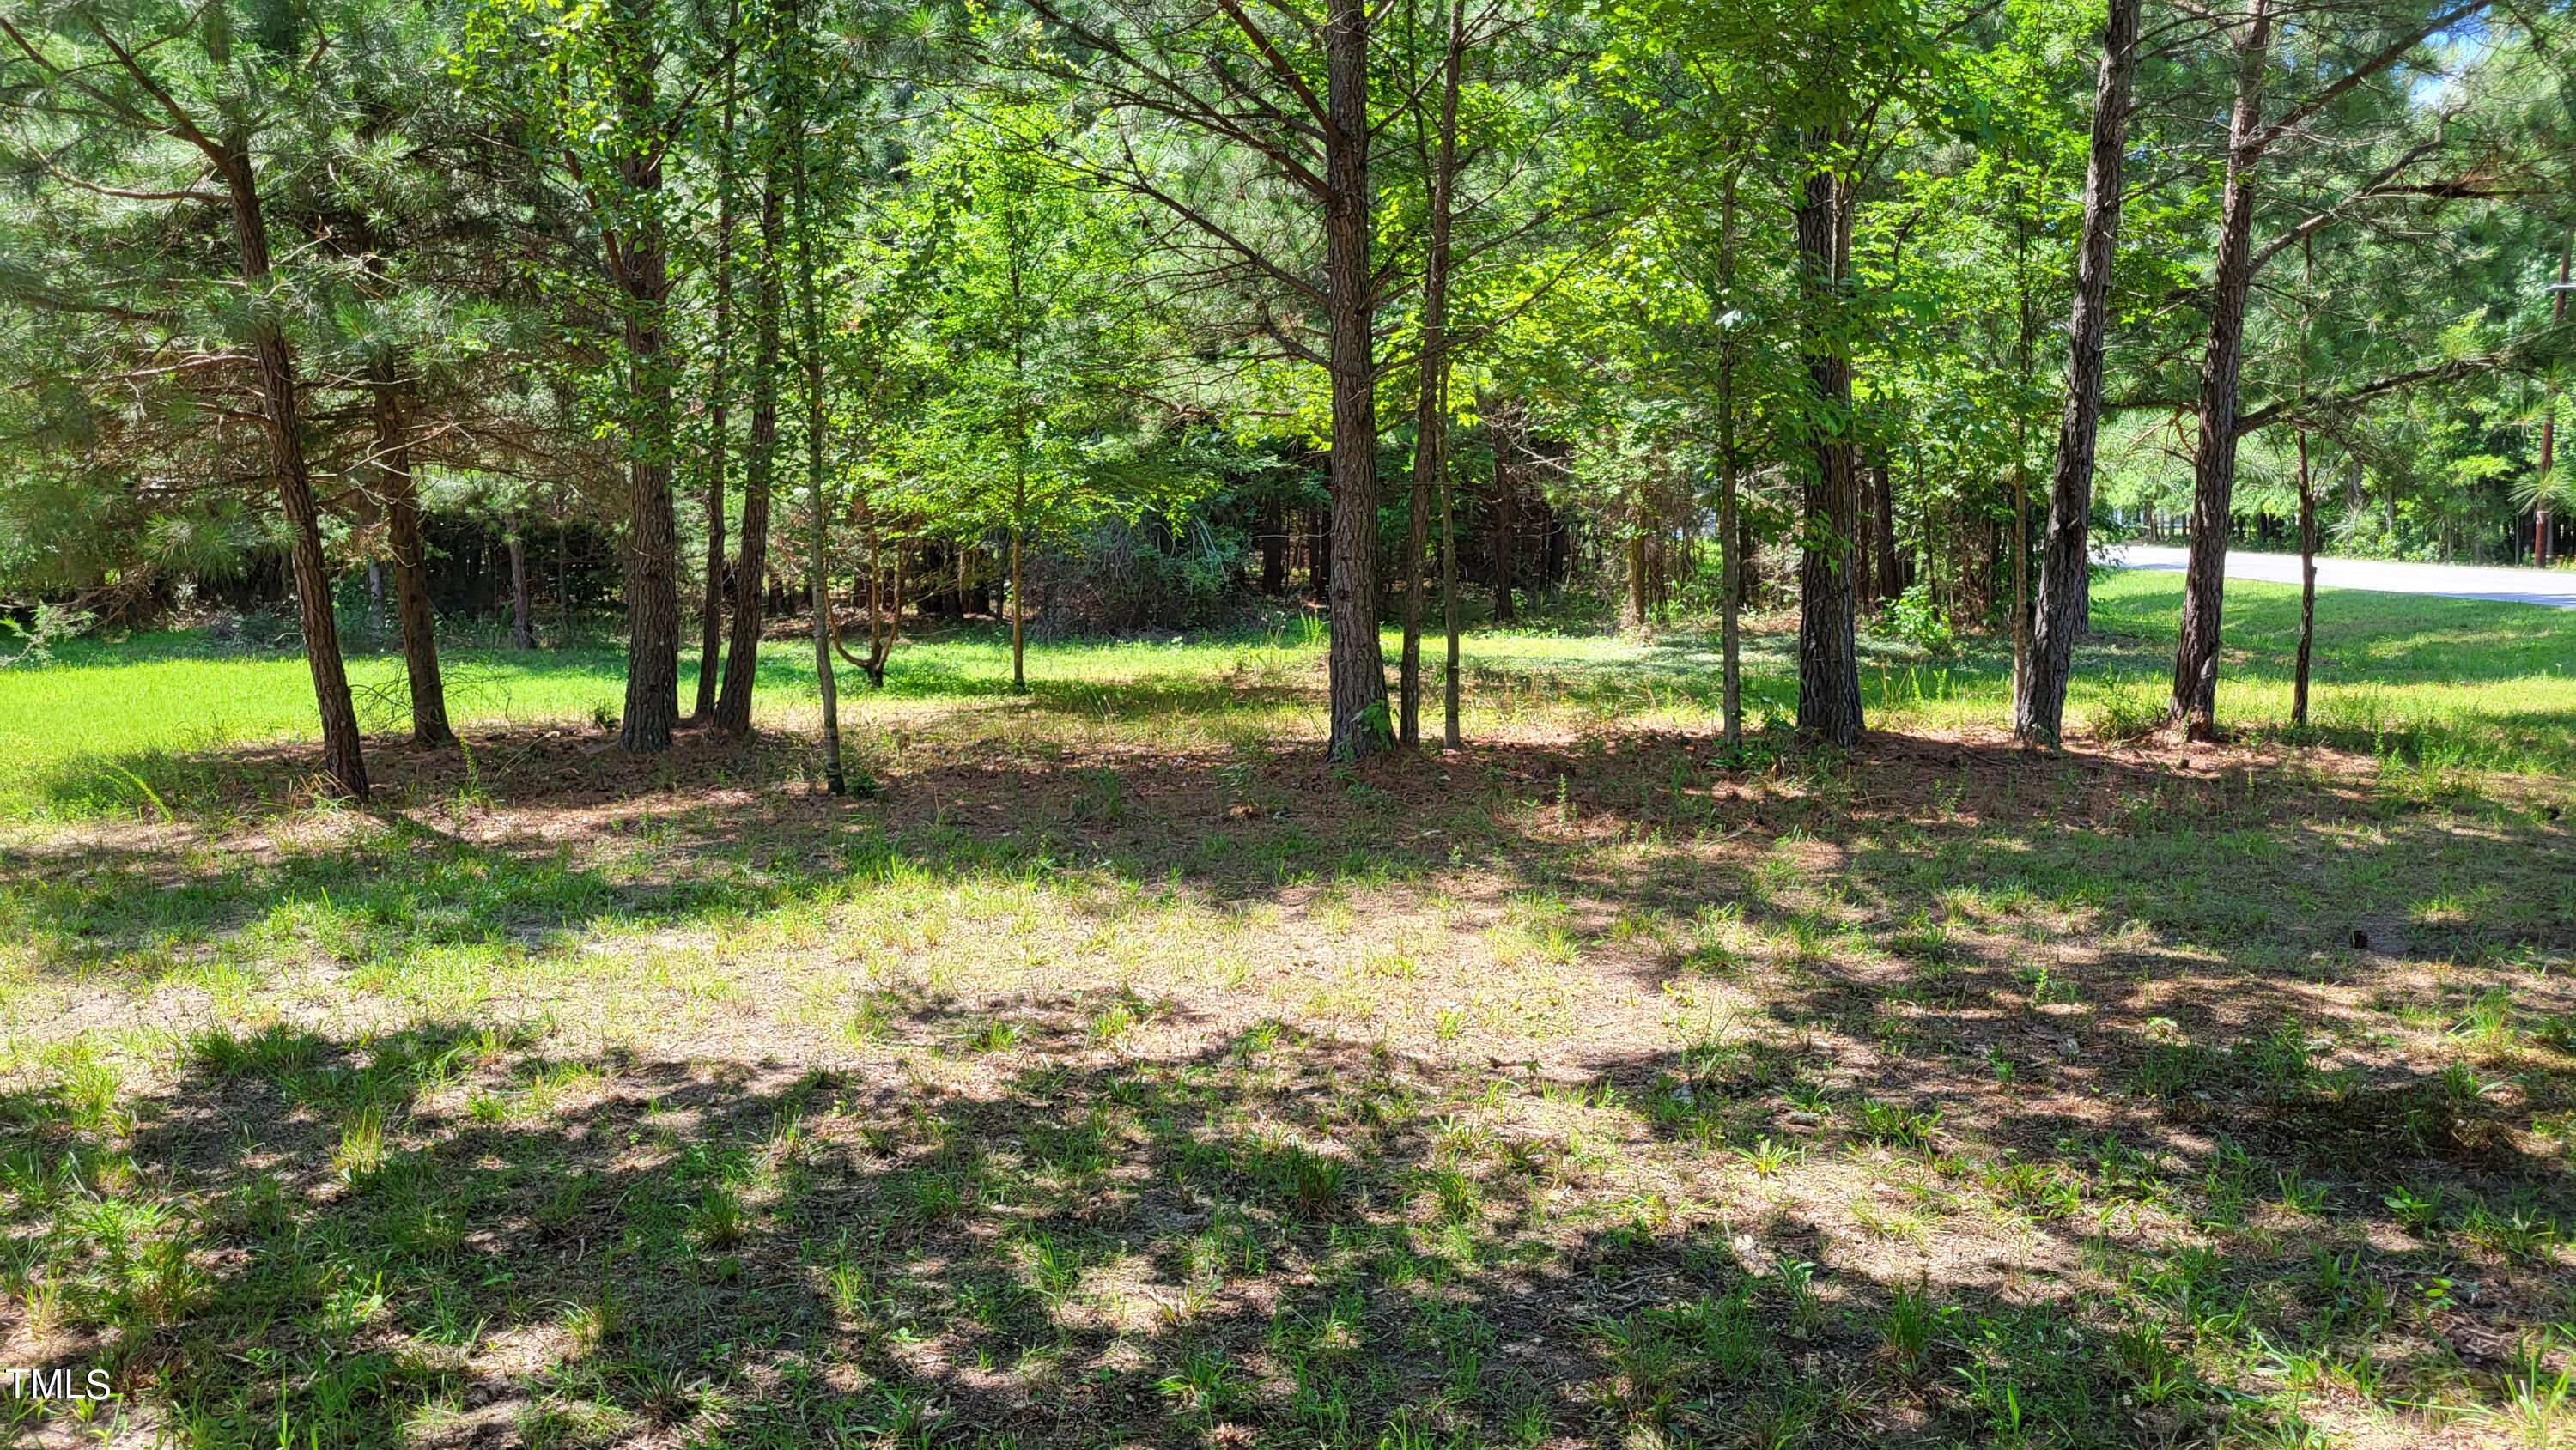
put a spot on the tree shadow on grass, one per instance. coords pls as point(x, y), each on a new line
point(2259, 857)
point(2065, 1066)
point(441, 1236)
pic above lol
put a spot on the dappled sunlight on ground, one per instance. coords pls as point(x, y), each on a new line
point(1119, 1071)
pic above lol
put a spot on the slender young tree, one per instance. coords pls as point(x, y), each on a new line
point(1450, 738)
point(760, 454)
point(2065, 566)
point(2221, 418)
point(1730, 544)
point(719, 387)
point(1229, 83)
point(1431, 409)
point(2545, 480)
point(810, 346)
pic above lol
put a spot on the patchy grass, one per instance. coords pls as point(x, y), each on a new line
point(141, 724)
point(1123, 1074)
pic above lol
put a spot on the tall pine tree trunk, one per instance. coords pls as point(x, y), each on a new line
point(343, 761)
point(411, 568)
point(1829, 707)
point(1431, 410)
point(810, 307)
point(1356, 665)
point(1730, 542)
point(760, 470)
point(2307, 586)
point(719, 406)
point(2195, 678)
point(652, 530)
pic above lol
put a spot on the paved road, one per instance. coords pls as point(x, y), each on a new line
point(2553, 588)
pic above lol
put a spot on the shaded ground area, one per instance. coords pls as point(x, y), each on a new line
point(1085, 1088)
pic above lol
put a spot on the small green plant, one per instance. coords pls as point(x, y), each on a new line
point(1769, 1155)
point(996, 1036)
point(1203, 1386)
point(1055, 1270)
point(48, 625)
point(718, 1220)
point(1100, 796)
point(362, 1145)
point(1925, 938)
point(1317, 1182)
point(1897, 1126)
point(1914, 618)
point(2419, 1209)
point(2127, 713)
point(2521, 1232)
point(2301, 1196)
point(850, 1288)
point(1906, 1331)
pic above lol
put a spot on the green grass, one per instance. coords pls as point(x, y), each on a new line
point(1122, 1073)
point(2440, 681)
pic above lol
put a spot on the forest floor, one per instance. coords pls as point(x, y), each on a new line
point(1122, 1074)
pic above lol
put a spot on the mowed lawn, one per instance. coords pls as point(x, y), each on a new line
point(1119, 1073)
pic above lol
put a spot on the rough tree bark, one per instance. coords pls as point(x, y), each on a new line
point(1829, 707)
point(760, 469)
point(2065, 570)
point(1355, 664)
point(2195, 678)
point(1730, 543)
point(652, 530)
point(343, 761)
point(411, 567)
point(2307, 586)
point(719, 409)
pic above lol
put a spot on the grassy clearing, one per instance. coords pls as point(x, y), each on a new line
point(1123, 1075)
point(2452, 683)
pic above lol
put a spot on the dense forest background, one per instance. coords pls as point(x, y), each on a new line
point(347, 322)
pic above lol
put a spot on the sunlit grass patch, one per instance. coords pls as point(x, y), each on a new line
point(1124, 1073)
